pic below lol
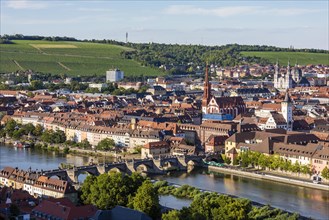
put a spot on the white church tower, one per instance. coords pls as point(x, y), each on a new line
point(286, 111)
point(288, 77)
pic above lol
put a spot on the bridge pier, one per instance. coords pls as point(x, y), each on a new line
point(72, 175)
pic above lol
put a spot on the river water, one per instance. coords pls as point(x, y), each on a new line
point(306, 201)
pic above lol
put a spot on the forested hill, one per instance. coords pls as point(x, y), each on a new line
point(155, 55)
point(180, 59)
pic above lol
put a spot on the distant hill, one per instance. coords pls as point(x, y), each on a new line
point(70, 57)
point(58, 55)
point(302, 58)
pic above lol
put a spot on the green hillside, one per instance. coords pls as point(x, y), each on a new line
point(72, 58)
point(302, 58)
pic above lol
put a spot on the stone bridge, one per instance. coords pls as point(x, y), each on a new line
point(158, 165)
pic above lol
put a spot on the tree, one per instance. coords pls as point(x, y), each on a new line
point(263, 161)
point(10, 127)
point(287, 165)
point(17, 134)
point(47, 136)
point(2, 133)
point(172, 215)
point(138, 149)
point(36, 84)
point(58, 137)
point(147, 200)
point(236, 209)
point(295, 167)
point(245, 160)
point(30, 94)
point(29, 128)
point(227, 160)
point(66, 150)
point(106, 144)
point(92, 90)
point(305, 169)
point(86, 188)
point(275, 162)
point(109, 190)
point(38, 130)
point(325, 173)
point(85, 144)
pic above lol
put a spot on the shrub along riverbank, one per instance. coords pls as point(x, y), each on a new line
point(211, 206)
point(137, 192)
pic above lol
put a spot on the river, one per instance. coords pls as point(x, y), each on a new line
point(306, 201)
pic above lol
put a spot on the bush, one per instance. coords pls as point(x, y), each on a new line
point(51, 148)
point(38, 145)
point(66, 150)
point(160, 184)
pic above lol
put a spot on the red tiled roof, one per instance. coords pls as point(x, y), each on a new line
point(60, 208)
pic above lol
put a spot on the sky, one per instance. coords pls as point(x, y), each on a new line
point(301, 24)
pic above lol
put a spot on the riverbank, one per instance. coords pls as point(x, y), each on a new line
point(78, 151)
point(189, 192)
point(306, 201)
point(269, 177)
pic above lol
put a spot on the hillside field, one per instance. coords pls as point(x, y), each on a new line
point(302, 58)
point(72, 58)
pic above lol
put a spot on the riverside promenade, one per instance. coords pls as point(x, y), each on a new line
point(266, 176)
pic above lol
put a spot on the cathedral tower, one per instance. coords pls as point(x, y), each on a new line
point(288, 78)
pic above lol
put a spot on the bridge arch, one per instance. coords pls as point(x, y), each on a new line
point(62, 175)
point(142, 168)
point(193, 160)
point(82, 175)
point(114, 170)
point(54, 176)
point(170, 163)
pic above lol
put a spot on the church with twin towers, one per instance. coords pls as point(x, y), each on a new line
point(292, 77)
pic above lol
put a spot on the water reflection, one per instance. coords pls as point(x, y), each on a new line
point(41, 159)
point(173, 202)
point(309, 202)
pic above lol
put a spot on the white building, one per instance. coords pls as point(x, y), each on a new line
point(114, 75)
point(282, 81)
point(99, 86)
point(270, 119)
point(286, 111)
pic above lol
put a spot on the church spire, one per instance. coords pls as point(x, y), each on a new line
point(207, 89)
point(206, 75)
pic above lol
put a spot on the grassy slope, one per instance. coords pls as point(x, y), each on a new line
point(86, 59)
point(301, 57)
